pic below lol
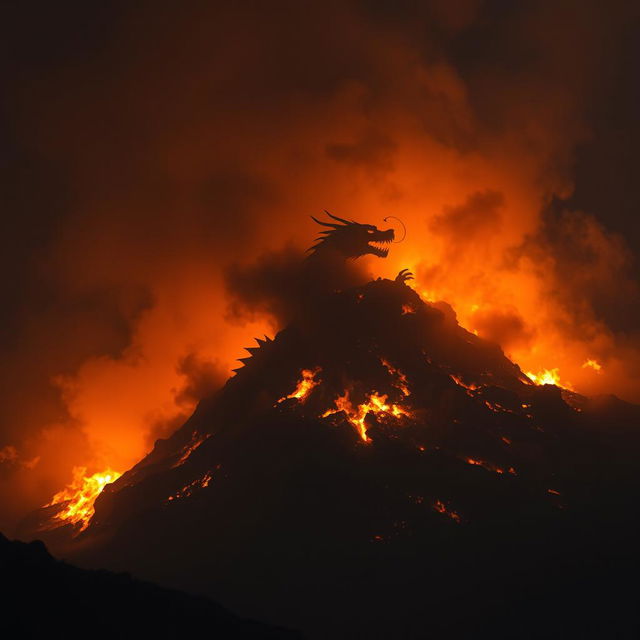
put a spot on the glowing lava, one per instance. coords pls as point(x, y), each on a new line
point(305, 384)
point(376, 404)
point(79, 496)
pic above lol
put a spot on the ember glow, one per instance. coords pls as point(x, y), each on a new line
point(441, 507)
point(306, 383)
point(79, 496)
point(490, 467)
point(375, 404)
point(187, 490)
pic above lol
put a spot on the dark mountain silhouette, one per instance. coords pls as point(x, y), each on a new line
point(480, 505)
point(45, 598)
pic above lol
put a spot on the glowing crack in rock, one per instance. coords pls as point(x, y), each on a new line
point(441, 507)
point(497, 407)
point(306, 383)
point(470, 388)
point(489, 467)
point(400, 379)
point(196, 441)
point(188, 489)
point(80, 495)
point(376, 404)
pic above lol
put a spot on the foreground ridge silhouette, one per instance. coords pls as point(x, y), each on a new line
point(376, 469)
point(45, 598)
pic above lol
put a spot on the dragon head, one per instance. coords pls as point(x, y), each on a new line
point(352, 239)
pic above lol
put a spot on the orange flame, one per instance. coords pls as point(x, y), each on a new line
point(376, 404)
point(80, 495)
point(304, 386)
point(592, 364)
point(548, 376)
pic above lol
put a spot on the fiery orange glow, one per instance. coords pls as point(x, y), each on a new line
point(79, 496)
point(467, 213)
point(305, 384)
point(429, 296)
point(375, 404)
point(592, 364)
point(548, 376)
point(441, 507)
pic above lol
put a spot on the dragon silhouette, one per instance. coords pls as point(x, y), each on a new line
point(351, 240)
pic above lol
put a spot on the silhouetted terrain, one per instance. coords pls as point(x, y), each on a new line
point(44, 598)
point(481, 505)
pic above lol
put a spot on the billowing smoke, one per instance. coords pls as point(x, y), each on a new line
point(165, 159)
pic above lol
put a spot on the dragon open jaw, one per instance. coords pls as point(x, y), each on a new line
point(378, 248)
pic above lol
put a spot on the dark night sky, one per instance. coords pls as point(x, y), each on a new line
point(149, 144)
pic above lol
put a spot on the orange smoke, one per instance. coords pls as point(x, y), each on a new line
point(209, 139)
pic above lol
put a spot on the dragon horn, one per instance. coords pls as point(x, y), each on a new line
point(336, 218)
point(325, 224)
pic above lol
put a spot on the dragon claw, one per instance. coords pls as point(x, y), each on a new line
point(403, 276)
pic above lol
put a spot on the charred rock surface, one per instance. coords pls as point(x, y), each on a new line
point(378, 471)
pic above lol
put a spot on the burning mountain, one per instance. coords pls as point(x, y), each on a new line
point(377, 469)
